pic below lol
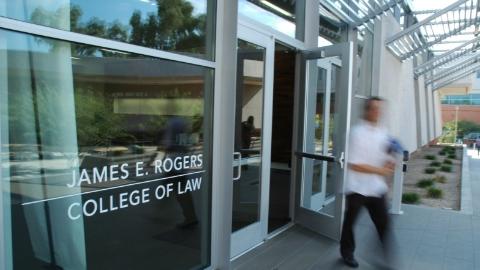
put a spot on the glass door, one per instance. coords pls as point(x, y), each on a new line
point(251, 165)
point(323, 120)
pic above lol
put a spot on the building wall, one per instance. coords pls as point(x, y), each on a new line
point(421, 111)
point(437, 113)
point(395, 83)
point(465, 112)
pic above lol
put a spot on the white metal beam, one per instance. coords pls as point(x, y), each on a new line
point(435, 29)
point(447, 57)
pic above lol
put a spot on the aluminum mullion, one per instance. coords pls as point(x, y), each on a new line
point(48, 32)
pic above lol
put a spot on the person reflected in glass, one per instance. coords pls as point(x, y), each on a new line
point(369, 164)
point(248, 129)
point(175, 141)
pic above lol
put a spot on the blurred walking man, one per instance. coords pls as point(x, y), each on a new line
point(368, 165)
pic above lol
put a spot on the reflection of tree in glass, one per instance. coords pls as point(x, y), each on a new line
point(97, 124)
point(41, 104)
point(173, 28)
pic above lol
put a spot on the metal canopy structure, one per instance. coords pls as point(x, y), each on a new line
point(362, 12)
point(456, 76)
point(461, 16)
point(463, 50)
point(458, 67)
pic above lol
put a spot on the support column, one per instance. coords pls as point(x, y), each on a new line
point(223, 132)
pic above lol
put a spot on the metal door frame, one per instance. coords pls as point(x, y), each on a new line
point(323, 224)
point(254, 234)
point(326, 64)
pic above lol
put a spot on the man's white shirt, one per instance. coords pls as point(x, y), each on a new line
point(368, 145)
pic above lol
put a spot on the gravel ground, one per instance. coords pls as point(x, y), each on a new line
point(451, 188)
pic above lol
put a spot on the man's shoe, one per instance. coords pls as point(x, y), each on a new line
point(350, 262)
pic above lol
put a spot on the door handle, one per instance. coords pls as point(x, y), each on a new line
point(239, 166)
point(340, 160)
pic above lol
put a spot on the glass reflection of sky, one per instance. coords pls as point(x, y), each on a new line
point(263, 16)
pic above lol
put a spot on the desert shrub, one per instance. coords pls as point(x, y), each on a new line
point(446, 168)
point(410, 198)
point(447, 161)
point(430, 157)
point(440, 179)
point(430, 170)
point(448, 148)
point(424, 183)
point(435, 193)
point(435, 164)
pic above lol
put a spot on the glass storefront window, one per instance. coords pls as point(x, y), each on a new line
point(106, 157)
point(183, 26)
point(283, 16)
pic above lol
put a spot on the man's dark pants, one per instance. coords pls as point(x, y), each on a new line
point(377, 209)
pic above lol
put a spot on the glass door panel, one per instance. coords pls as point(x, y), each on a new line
point(323, 115)
point(253, 114)
point(248, 134)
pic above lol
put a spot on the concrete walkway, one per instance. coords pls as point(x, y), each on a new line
point(425, 239)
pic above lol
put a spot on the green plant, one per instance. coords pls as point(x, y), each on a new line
point(447, 161)
point(430, 157)
point(452, 156)
point(442, 153)
point(430, 170)
point(410, 198)
point(440, 179)
point(435, 164)
point(446, 168)
point(424, 183)
point(462, 128)
point(435, 193)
